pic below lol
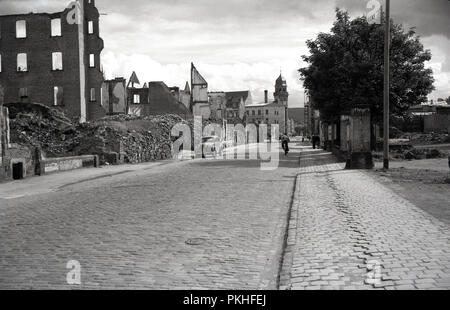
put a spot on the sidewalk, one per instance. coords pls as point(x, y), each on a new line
point(52, 182)
point(348, 231)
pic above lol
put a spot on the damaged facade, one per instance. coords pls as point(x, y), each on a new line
point(156, 98)
point(16, 161)
point(200, 101)
point(114, 96)
point(226, 106)
point(235, 106)
point(54, 59)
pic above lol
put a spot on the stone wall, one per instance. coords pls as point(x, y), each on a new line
point(52, 165)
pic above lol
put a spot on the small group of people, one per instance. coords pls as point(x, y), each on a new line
point(315, 139)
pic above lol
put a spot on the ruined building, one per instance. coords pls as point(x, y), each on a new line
point(183, 96)
point(54, 59)
point(200, 101)
point(156, 98)
point(235, 107)
point(114, 96)
point(16, 161)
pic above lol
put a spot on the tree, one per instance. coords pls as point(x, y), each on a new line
point(448, 100)
point(345, 68)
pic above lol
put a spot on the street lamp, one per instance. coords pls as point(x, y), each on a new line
point(387, 42)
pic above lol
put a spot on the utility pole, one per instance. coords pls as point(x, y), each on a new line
point(387, 43)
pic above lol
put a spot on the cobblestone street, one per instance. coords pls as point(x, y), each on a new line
point(348, 231)
point(221, 224)
point(184, 225)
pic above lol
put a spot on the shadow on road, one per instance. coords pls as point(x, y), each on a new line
point(318, 157)
point(291, 161)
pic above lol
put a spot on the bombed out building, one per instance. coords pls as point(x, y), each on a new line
point(54, 59)
point(156, 98)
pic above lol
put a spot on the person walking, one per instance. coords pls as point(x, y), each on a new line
point(285, 144)
point(316, 141)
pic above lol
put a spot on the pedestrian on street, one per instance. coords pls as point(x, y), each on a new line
point(285, 144)
point(316, 141)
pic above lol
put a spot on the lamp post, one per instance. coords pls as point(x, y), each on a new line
point(387, 42)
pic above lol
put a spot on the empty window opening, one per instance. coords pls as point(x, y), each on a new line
point(90, 27)
point(136, 99)
point(22, 64)
point(56, 27)
point(57, 62)
point(92, 60)
point(21, 29)
point(57, 96)
point(23, 93)
point(92, 94)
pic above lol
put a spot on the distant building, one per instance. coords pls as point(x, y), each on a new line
point(281, 96)
point(422, 110)
point(235, 107)
point(54, 59)
point(274, 112)
point(218, 105)
point(266, 113)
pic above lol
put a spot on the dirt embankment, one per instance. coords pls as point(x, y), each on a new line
point(425, 183)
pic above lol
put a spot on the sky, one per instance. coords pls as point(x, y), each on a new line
point(237, 44)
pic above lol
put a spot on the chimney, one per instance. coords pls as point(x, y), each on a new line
point(266, 96)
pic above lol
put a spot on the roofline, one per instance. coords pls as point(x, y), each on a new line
point(33, 13)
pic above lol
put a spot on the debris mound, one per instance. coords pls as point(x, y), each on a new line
point(116, 139)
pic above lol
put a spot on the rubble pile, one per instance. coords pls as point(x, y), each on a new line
point(133, 139)
point(40, 127)
point(430, 138)
point(130, 139)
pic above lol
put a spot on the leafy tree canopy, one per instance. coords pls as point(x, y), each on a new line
point(345, 68)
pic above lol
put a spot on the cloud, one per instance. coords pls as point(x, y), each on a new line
point(236, 44)
point(430, 17)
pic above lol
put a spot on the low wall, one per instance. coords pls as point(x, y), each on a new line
point(51, 165)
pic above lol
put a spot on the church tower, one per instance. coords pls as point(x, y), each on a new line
point(281, 96)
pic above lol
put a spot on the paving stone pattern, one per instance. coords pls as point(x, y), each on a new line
point(348, 231)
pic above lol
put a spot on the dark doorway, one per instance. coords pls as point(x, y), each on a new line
point(18, 171)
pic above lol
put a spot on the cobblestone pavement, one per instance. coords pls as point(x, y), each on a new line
point(190, 225)
point(348, 231)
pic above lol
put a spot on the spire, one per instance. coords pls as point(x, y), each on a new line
point(187, 88)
